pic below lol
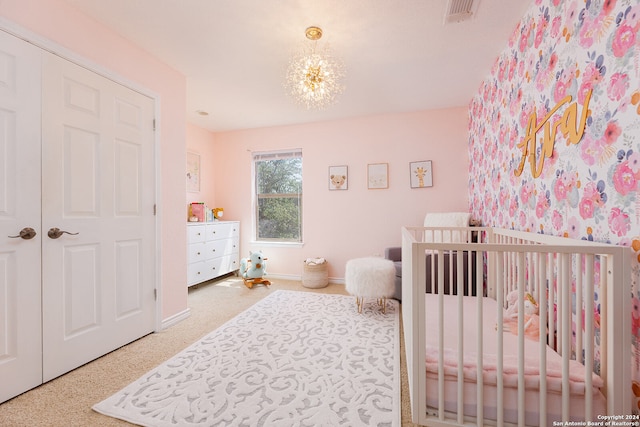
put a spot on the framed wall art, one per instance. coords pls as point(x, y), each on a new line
point(338, 177)
point(193, 172)
point(421, 175)
point(378, 175)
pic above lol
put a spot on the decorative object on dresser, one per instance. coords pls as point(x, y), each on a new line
point(212, 250)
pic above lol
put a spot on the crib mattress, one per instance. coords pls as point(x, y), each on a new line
point(510, 367)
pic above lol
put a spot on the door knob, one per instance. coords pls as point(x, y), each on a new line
point(55, 232)
point(26, 233)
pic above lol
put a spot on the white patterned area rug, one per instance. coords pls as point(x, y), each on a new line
point(292, 359)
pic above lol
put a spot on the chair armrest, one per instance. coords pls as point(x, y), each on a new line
point(393, 253)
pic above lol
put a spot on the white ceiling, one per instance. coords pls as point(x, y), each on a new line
point(398, 54)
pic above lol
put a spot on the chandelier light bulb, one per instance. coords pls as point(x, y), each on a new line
point(314, 78)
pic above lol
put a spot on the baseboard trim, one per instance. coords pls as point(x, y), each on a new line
point(175, 319)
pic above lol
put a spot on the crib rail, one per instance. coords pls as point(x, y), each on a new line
point(561, 274)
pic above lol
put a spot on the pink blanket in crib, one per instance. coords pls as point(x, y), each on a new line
point(554, 370)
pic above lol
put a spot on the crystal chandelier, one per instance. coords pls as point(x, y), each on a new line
point(314, 77)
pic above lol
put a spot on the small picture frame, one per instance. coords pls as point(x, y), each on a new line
point(377, 175)
point(338, 177)
point(421, 174)
point(193, 172)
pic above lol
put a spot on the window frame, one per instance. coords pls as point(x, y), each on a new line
point(275, 155)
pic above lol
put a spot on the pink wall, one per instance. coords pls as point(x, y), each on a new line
point(58, 22)
point(200, 141)
point(340, 225)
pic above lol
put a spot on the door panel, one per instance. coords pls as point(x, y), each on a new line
point(99, 181)
point(20, 308)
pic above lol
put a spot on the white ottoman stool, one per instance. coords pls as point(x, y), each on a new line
point(370, 277)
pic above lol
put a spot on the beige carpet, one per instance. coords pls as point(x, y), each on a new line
point(67, 400)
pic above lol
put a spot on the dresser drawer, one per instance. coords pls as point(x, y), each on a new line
point(196, 233)
point(198, 272)
point(222, 230)
point(196, 252)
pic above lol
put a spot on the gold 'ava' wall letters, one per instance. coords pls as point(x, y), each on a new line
point(568, 125)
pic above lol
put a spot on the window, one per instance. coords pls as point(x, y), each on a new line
point(278, 196)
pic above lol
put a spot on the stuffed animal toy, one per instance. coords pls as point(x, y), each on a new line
point(531, 318)
point(253, 270)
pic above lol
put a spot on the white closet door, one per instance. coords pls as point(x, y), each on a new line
point(20, 309)
point(99, 182)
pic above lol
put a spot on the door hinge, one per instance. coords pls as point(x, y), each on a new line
point(154, 210)
point(155, 294)
point(154, 124)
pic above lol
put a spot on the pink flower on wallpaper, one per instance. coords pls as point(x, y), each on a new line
point(513, 138)
point(574, 228)
point(571, 13)
point(586, 207)
point(562, 186)
point(550, 165)
point(619, 222)
point(560, 91)
point(591, 192)
point(541, 112)
point(612, 132)
point(633, 17)
point(583, 90)
point(524, 36)
point(540, 30)
point(526, 191)
point(555, 27)
point(542, 205)
point(556, 220)
point(522, 218)
point(513, 206)
point(634, 163)
point(635, 315)
point(587, 32)
point(504, 197)
point(512, 67)
point(624, 179)
point(521, 69)
point(623, 40)
point(501, 70)
point(608, 6)
point(618, 85)
point(527, 109)
point(590, 150)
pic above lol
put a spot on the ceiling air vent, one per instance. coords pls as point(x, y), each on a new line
point(460, 10)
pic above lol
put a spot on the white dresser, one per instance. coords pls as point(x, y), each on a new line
point(212, 250)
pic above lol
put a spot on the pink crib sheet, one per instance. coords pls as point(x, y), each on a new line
point(510, 366)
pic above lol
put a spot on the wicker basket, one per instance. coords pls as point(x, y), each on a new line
point(315, 275)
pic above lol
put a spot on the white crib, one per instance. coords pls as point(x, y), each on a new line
point(464, 369)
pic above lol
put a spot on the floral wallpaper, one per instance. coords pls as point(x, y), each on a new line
point(590, 50)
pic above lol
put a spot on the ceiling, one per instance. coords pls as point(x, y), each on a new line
point(399, 55)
